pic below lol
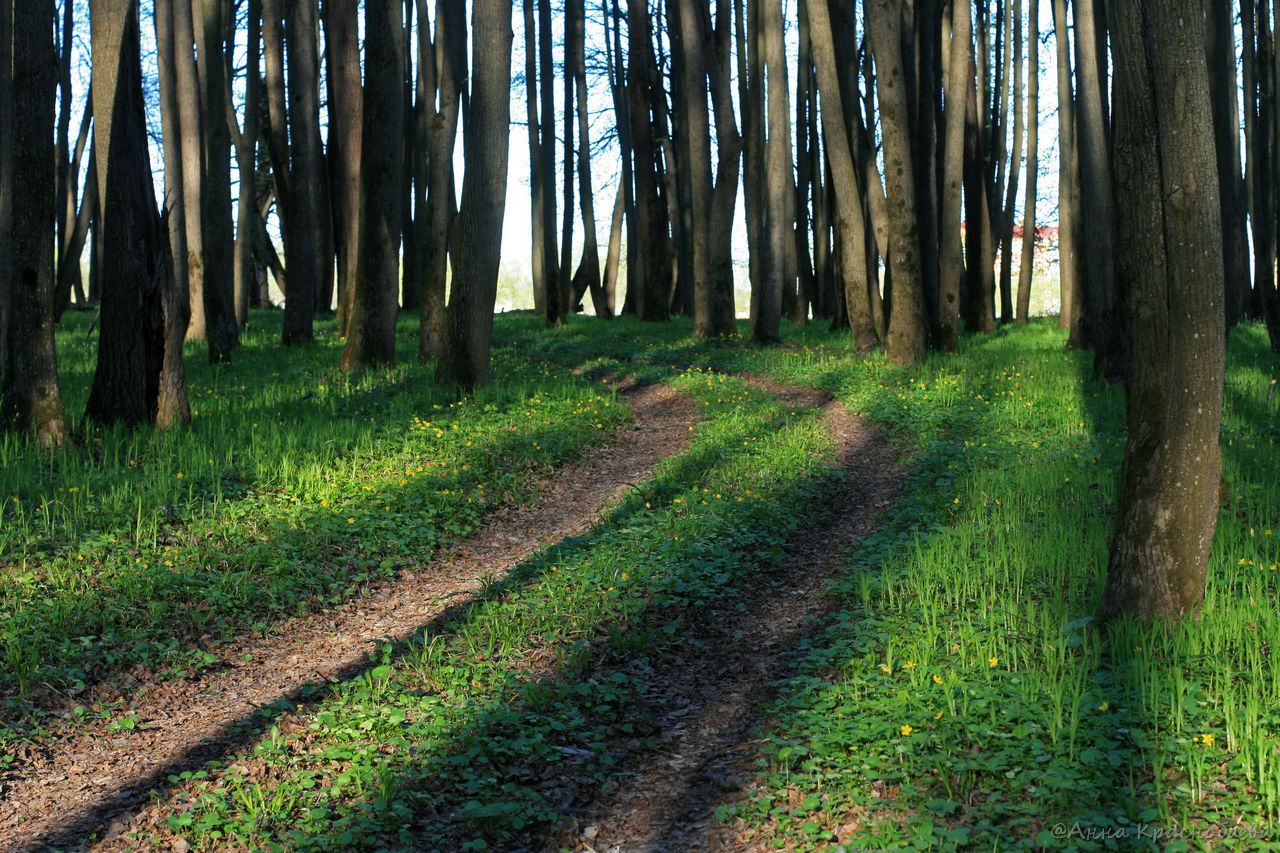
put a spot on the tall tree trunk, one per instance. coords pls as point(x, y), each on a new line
point(905, 342)
point(341, 28)
point(653, 301)
point(1168, 218)
point(587, 276)
point(846, 208)
point(371, 333)
point(477, 247)
point(247, 162)
point(6, 181)
point(1103, 327)
point(304, 257)
point(30, 398)
point(74, 231)
point(951, 267)
point(1015, 164)
point(219, 239)
point(614, 253)
point(191, 136)
point(1027, 272)
point(1221, 57)
point(773, 96)
point(554, 298)
point(689, 52)
point(1069, 275)
point(139, 377)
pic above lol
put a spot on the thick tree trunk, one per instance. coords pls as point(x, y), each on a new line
point(371, 333)
point(1069, 277)
point(475, 252)
point(7, 154)
point(554, 299)
point(1168, 218)
point(30, 399)
point(905, 342)
point(654, 297)
point(191, 136)
point(139, 377)
point(773, 98)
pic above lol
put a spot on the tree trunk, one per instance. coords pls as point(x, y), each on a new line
point(6, 182)
point(191, 136)
point(1221, 56)
point(451, 61)
point(30, 399)
point(905, 342)
point(1168, 218)
point(247, 161)
point(1103, 308)
point(951, 267)
point(1015, 165)
point(653, 301)
point(477, 247)
point(75, 230)
point(139, 377)
point(1026, 273)
point(772, 97)
point(554, 298)
point(302, 220)
point(587, 276)
point(846, 209)
point(371, 333)
point(1072, 300)
point(219, 239)
point(341, 27)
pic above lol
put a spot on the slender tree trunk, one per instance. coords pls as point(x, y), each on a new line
point(1026, 273)
point(304, 257)
point(1169, 220)
point(191, 136)
point(653, 301)
point(554, 298)
point(766, 298)
point(587, 276)
point(30, 398)
point(614, 253)
point(475, 252)
point(6, 183)
point(219, 238)
point(1015, 163)
point(139, 377)
point(1068, 190)
point(247, 161)
point(1221, 56)
point(1103, 308)
point(951, 267)
point(75, 229)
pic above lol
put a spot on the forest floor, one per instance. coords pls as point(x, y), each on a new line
point(100, 788)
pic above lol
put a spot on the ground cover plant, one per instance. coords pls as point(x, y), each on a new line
point(958, 697)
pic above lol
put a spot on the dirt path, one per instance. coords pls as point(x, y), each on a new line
point(91, 781)
point(714, 681)
point(704, 706)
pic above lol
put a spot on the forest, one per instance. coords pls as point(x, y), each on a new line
point(306, 546)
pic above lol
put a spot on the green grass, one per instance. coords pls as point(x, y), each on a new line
point(959, 698)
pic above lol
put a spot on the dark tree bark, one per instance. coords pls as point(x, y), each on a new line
point(1221, 57)
point(30, 398)
point(1103, 307)
point(653, 298)
point(475, 252)
point(587, 277)
point(246, 145)
point(554, 297)
point(74, 232)
point(1015, 164)
point(6, 181)
point(1168, 218)
point(449, 77)
point(773, 98)
point(1026, 273)
point(613, 254)
point(139, 377)
point(219, 238)
point(905, 342)
point(304, 257)
point(371, 333)
point(341, 26)
point(538, 248)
